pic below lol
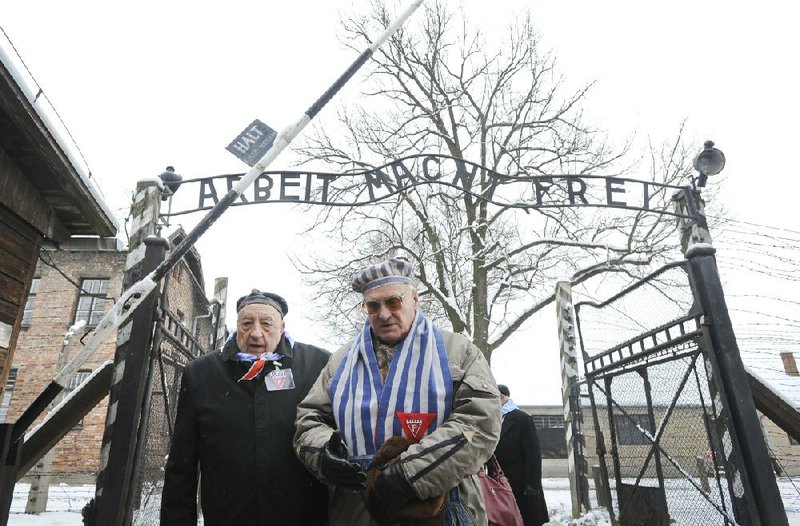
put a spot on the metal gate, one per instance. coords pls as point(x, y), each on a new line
point(663, 437)
point(187, 327)
point(176, 325)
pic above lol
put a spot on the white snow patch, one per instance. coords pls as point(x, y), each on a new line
point(65, 502)
point(78, 325)
point(771, 386)
point(636, 258)
point(597, 517)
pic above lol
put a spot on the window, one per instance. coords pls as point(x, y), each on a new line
point(628, 433)
point(75, 380)
point(548, 421)
point(28, 312)
point(91, 302)
point(9, 390)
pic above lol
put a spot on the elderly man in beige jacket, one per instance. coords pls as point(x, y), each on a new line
point(400, 376)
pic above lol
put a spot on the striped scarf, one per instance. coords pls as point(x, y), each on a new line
point(418, 381)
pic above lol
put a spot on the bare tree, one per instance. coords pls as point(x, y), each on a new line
point(440, 86)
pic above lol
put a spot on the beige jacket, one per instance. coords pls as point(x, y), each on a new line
point(448, 457)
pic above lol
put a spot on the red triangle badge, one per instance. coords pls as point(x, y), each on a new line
point(415, 425)
point(280, 381)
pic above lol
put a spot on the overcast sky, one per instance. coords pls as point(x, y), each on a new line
point(163, 83)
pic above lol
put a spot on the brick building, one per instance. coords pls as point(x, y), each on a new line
point(79, 281)
point(54, 304)
point(549, 421)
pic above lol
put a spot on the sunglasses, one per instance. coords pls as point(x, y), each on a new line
point(393, 304)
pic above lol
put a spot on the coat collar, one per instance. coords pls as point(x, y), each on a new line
point(508, 422)
point(285, 346)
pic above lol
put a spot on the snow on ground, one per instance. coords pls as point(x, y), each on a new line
point(65, 503)
point(559, 502)
point(63, 506)
point(50, 518)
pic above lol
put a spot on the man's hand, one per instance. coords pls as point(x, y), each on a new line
point(389, 494)
point(337, 469)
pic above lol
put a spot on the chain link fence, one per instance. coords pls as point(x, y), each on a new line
point(655, 427)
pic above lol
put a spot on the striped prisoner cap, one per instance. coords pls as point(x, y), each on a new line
point(394, 270)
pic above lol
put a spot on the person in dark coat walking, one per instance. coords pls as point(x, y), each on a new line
point(520, 457)
point(235, 424)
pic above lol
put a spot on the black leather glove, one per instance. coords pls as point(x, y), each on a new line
point(389, 494)
point(336, 467)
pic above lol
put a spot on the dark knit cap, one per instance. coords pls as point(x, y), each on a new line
point(503, 390)
point(266, 298)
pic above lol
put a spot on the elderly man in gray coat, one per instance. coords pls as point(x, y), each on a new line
point(400, 376)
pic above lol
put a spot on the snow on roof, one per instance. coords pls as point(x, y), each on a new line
point(769, 371)
point(41, 104)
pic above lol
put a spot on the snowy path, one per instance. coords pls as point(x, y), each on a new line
point(66, 502)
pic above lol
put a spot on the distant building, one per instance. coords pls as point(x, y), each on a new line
point(784, 450)
point(549, 420)
point(54, 304)
point(679, 436)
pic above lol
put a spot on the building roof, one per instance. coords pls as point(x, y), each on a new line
point(36, 142)
point(769, 371)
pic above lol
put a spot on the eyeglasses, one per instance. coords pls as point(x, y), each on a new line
point(393, 303)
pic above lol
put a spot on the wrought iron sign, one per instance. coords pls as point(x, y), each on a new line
point(415, 172)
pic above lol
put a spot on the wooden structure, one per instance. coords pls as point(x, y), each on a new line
point(775, 407)
point(43, 195)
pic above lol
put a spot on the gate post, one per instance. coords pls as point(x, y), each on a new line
point(131, 360)
point(570, 395)
point(754, 470)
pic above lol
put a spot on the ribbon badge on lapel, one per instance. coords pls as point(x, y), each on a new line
point(415, 425)
point(258, 362)
point(254, 370)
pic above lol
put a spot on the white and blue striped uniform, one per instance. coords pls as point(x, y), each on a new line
point(418, 381)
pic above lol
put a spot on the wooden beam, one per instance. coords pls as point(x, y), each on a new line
point(20, 196)
point(44, 438)
point(775, 407)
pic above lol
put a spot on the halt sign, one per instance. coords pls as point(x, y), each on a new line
point(253, 142)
